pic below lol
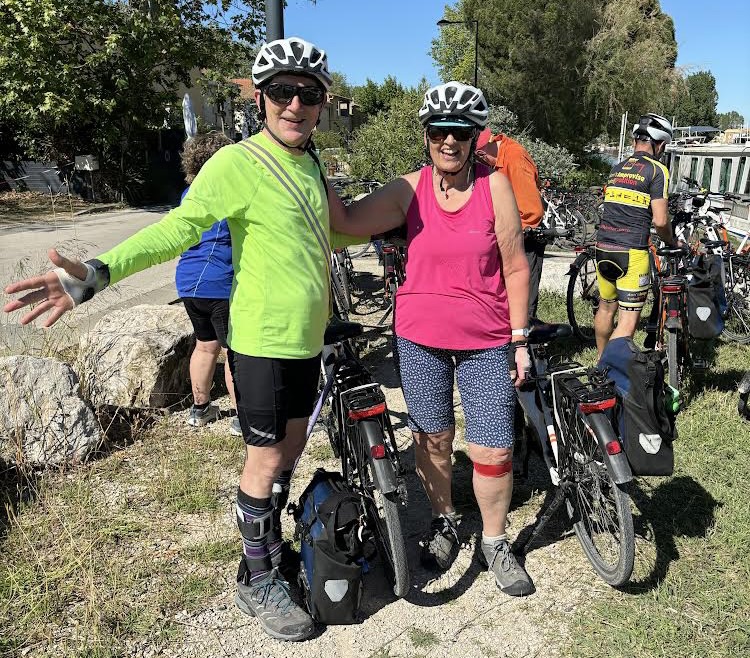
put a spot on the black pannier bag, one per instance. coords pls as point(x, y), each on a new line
point(643, 419)
point(334, 543)
point(706, 299)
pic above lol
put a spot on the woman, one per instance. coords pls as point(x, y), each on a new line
point(461, 313)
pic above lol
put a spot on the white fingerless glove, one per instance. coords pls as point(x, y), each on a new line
point(80, 291)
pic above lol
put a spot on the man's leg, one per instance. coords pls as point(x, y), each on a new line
point(268, 390)
point(604, 323)
point(535, 255)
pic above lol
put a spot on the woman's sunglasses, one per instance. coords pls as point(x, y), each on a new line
point(440, 133)
point(283, 94)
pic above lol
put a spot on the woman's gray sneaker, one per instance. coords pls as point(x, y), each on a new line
point(440, 544)
point(269, 601)
point(200, 417)
point(511, 577)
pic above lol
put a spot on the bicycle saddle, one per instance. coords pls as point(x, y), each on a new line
point(339, 330)
point(671, 251)
point(713, 244)
point(546, 333)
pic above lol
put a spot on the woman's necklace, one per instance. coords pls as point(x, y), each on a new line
point(469, 175)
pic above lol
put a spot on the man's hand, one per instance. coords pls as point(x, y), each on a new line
point(48, 291)
point(519, 362)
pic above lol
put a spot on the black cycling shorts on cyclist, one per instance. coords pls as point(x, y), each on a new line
point(622, 247)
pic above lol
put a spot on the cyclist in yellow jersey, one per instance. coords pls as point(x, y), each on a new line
point(635, 197)
point(281, 214)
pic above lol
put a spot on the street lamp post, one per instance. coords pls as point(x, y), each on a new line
point(443, 22)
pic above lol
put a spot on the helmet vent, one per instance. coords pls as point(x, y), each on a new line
point(297, 50)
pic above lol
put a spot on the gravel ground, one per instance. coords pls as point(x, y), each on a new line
point(460, 613)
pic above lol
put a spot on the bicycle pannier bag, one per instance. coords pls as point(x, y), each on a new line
point(646, 427)
point(333, 545)
point(704, 289)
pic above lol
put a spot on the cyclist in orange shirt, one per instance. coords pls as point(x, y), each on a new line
point(507, 155)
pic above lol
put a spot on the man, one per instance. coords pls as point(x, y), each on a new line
point(508, 156)
point(280, 211)
point(635, 197)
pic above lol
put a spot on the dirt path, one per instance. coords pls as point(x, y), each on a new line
point(460, 613)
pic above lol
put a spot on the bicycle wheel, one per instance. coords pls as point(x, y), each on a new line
point(599, 508)
point(384, 514)
point(361, 250)
point(737, 318)
point(583, 297)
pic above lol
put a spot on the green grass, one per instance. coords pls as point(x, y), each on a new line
point(422, 639)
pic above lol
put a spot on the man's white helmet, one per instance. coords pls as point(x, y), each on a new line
point(454, 99)
point(292, 55)
point(654, 126)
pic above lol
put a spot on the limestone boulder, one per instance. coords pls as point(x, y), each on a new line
point(43, 420)
point(138, 357)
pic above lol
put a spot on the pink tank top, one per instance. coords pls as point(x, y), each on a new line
point(454, 296)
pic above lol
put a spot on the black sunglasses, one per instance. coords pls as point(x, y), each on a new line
point(281, 93)
point(440, 133)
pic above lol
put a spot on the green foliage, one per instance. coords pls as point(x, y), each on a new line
point(328, 139)
point(453, 50)
point(340, 85)
point(391, 143)
point(373, 97)
point(503, 120)
point(566, 68)
point(731, 119)
point(630, 61)
point(95, 77)
point(694, 100)
point(551, 161)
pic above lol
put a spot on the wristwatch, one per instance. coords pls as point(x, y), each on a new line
point(520, 332)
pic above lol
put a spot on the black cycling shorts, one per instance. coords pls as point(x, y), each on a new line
point(270, 392)
point(210, 318)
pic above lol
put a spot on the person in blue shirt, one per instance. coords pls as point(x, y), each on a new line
point(204, 283)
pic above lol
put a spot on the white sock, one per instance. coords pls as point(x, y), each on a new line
point(491, 541)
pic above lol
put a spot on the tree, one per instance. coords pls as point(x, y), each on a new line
point(630, 61)
point(95, 77)
point(390, 144)
point(373, 97)
point(731, 119)
point(694, 103)
point(453, 50)
point(340, 85)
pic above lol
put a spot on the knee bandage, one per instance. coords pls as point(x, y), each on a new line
point(493, 470)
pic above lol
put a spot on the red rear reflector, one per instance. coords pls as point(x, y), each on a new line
point(673, 314)
point(672, 288)
point(359, 414)
point(579, 250)
point(389, 250)
point(591, 407)
point(378, 451)
point(614, 447)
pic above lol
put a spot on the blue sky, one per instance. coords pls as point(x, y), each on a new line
point(377, 38)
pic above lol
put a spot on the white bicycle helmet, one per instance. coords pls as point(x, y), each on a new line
point(292, 55)
point(456, 100)
point(653, 126)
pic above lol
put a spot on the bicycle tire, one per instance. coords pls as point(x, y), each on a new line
point(359, 252)
point(598, 507)
point(386, 518)
point(582, 301)
point(573, 220)
point(673, 365)
point(737, 320)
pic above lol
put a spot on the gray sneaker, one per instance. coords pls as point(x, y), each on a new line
point(234, 427)
point(511, 577)
point(278, 614)
point(200, 417)
point(440, 544)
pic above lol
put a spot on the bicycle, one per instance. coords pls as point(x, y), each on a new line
point(361, 436)
point(369, 187)
point(558, 214)
point(566, 406)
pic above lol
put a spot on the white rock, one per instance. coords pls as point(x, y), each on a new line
point(43, 420)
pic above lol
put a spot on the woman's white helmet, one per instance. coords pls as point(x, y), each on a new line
point(454, 99)
point(653, 126)
point(292, 55)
